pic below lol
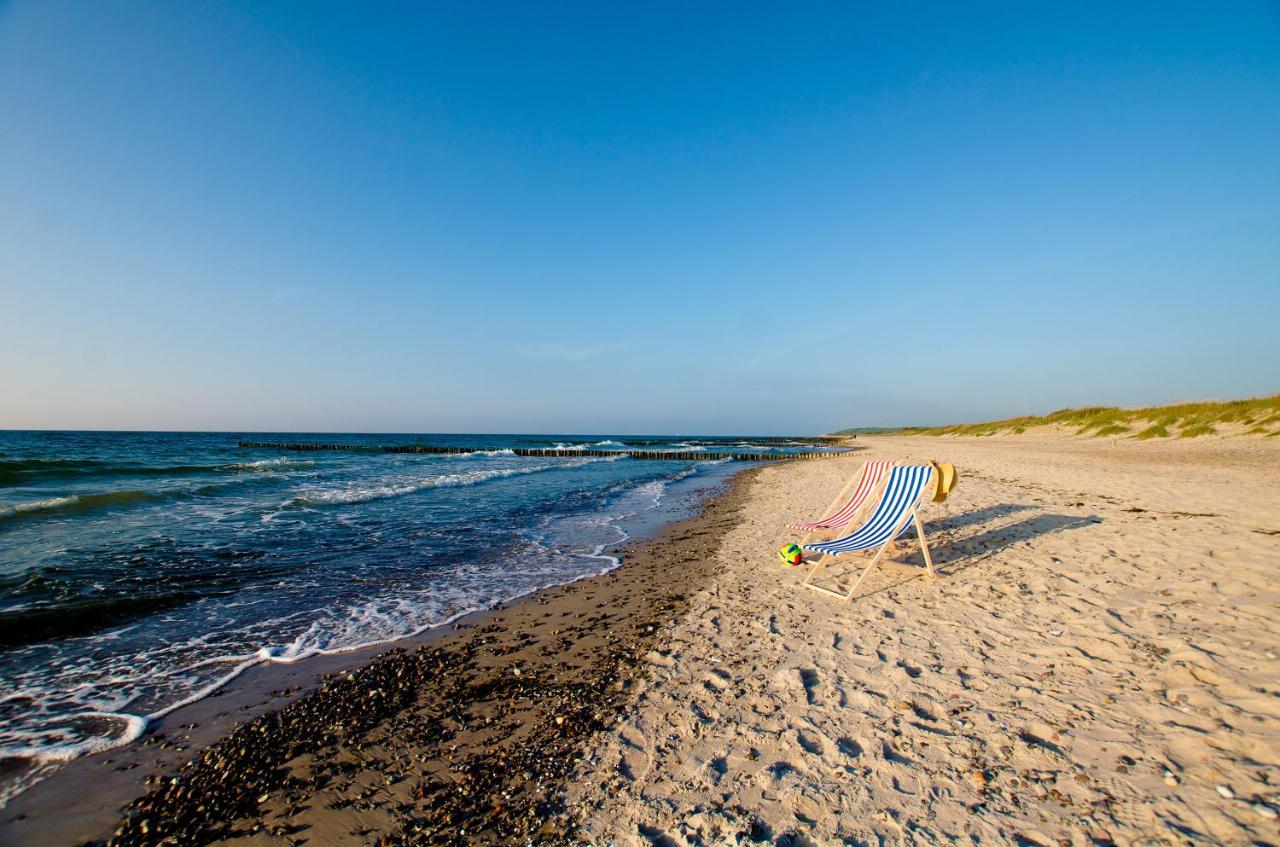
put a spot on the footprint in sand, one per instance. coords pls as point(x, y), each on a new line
point(909, 670)
point(810, 743)
point(809, 680)
point(779, 770)
point(716, 680)
point(1037, 738)
point(656, 837)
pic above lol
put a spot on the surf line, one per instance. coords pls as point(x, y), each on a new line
point(658, 455)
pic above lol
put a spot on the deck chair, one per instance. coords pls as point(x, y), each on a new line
point(898, 510)
point(858, 490)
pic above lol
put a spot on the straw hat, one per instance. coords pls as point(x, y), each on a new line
point(945, 473)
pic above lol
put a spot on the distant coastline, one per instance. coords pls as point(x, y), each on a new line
point(1252, 416)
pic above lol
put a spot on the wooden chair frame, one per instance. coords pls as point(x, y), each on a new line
point(912, 516)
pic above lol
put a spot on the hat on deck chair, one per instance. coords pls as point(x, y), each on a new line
point(945, 472)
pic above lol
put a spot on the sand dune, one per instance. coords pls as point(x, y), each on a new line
point(1099, 663)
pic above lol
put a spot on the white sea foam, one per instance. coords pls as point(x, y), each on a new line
point(270, 464)
point(401, 487)
point(364, 494)
point(38, 506)
point(43, 750)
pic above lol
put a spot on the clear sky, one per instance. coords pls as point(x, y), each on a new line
point(648, 217)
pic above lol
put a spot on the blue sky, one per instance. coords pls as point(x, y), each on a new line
point(632, 218)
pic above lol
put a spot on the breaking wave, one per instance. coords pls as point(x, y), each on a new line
point(81, 502)
point(364, 494)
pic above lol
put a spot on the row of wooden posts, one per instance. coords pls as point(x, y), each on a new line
point(686, 455)
point(750, 439)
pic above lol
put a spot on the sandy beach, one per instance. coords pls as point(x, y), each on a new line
point(1098, 664)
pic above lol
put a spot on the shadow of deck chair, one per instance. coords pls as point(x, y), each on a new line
point(857, 491)
point(898, 510)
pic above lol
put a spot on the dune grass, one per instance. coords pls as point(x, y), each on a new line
point(1261, 415)
point(1195, 430)
point(1159, 430)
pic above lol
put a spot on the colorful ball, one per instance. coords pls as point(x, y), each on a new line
point(791, 554)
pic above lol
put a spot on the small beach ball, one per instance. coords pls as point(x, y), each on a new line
point(791, 554)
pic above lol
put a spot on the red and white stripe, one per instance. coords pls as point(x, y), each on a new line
point(872, 473)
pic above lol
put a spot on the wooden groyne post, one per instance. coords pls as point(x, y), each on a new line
point(657, 455)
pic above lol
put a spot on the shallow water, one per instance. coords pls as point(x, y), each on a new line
point(140, 571)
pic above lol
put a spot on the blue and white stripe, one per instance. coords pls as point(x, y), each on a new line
point(901, 493)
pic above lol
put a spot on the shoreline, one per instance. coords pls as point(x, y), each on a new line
point(491, 664)
point(1095, 665)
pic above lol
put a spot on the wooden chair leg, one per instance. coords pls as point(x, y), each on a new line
point(924, 545)
point(819, 565)
point(871, 564)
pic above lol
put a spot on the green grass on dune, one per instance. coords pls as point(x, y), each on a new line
point(1154, 431)
point(1186, 420)
point(1196, 429)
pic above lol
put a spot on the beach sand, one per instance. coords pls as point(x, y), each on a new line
point(1098, 664)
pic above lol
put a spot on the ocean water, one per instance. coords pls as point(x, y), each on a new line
point(140, 571)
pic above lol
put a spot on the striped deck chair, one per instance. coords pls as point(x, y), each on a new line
point(898, 510)
point(861, 487)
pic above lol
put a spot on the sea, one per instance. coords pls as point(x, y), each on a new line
point(140, 572)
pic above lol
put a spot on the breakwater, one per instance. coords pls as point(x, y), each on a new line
point(660, 455)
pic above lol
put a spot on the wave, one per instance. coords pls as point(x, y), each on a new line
point(77, 503)
point(348, 496)
point(81, 502)
point(44, 464)
point(23, 471)
point(270, 464)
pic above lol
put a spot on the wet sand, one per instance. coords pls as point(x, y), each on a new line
point(464, 738)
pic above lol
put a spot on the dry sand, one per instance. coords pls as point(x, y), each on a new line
point(1098, 664)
